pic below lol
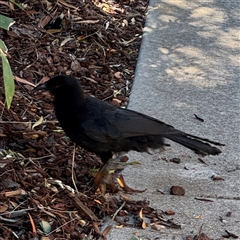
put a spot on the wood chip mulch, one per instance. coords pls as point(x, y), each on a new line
point(43, 191)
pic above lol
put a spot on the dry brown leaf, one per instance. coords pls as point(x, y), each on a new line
point(126, 188)
point(97, 201)
point(66, 40)
point(38, 122)
point(141, 216)
point(3, 208)
point(125, 22)
point(120, 226)
point(24, 81)
point(47, 19)
point(66, 4)
point(157, 227)
point(120, 182)
point(144, 225)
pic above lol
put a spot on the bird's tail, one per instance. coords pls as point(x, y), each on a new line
point(197, 144)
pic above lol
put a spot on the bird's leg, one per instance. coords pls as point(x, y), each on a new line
point(105, 156)
point(105, 175)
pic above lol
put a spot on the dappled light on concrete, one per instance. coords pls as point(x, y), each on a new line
point(189, 64)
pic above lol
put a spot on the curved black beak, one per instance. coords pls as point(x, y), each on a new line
point(40, 87)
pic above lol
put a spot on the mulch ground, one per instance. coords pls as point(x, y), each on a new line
point(49, 189)
point(42, 191)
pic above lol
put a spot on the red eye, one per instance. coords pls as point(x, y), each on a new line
point(55, 86)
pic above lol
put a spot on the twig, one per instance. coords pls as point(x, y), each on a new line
point(14, 210)
point(73, 163)
point(119, 209)
point(2, 110)
point(16, 122)
point(83, 209)
point(18, 211)
point(38, 158)
point(15, 235)
point(61, 226)
point(33, 225)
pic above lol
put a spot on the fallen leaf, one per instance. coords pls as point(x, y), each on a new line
point(39, 122)
point(125, 22)
point(66, 4)
point(3, 208)
point(24, 81)
point(157, 227)
point(97, 201)
point(120, 226)
point(141, 217)
point(120, 182)
point(140, 213)
point(126, 188)
point(66, 40)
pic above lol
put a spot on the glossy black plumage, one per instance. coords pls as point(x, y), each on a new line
point(102, 128)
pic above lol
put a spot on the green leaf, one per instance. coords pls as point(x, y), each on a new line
point(8, 78)
point(3, 46)
point(6, 22)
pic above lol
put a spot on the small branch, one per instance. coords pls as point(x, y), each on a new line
point(119, 209)
point(73, 163)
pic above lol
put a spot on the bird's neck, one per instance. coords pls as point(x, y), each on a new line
point(70, 101)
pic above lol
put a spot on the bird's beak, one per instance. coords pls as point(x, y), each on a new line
point(40, 87)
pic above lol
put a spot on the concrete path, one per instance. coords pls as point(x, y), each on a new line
point(190, 64)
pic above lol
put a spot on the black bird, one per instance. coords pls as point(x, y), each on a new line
point(104, 129)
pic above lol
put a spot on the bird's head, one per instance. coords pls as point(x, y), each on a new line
point(60, 85)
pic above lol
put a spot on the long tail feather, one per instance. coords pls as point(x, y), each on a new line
point(197, 144)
